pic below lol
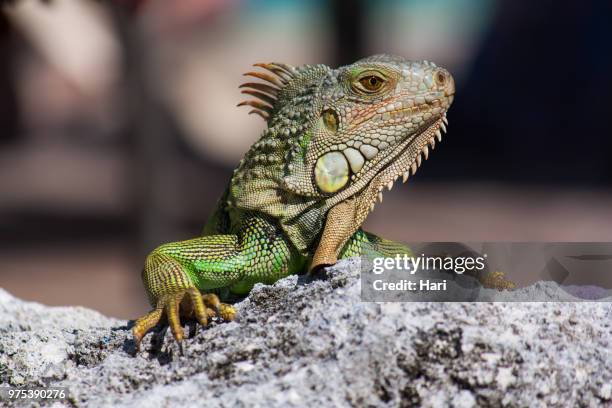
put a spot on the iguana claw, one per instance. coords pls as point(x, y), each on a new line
point(189, 303)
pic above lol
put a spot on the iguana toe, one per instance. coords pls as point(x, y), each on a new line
point(227, 312)
point(144, 324)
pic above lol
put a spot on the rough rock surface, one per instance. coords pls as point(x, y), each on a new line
point(315, 343)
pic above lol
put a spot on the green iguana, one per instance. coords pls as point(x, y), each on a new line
point(335, 138)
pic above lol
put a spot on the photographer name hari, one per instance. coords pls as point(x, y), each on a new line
point(408, 285)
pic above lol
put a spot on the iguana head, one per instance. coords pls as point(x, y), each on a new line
point(338, 135)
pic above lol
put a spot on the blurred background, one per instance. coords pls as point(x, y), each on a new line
point(118, 125)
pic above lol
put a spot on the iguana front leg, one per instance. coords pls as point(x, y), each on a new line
point(173, 275)
point(176, 273)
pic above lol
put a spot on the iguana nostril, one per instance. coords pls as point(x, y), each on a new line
point(440, 78)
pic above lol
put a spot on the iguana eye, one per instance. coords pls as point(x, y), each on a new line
point(371, 83)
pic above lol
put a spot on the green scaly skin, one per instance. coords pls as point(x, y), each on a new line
point(335, 139)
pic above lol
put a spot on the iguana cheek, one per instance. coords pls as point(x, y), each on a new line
point(331, 172)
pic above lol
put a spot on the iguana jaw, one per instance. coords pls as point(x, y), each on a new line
point(402, 161)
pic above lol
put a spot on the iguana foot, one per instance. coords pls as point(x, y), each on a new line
point(496, 280)
point(188, 303)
